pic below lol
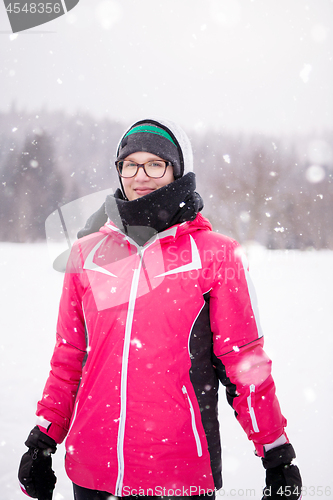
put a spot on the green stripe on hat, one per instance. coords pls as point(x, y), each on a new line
point(151, 130)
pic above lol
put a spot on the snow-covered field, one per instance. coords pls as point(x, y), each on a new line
point(295, 298)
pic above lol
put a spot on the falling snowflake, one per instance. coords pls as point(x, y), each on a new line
point(315, 174)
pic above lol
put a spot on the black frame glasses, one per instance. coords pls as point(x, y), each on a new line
point(119, 165)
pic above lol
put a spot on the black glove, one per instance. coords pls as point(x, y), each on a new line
point(283, 480)
point(35, 473)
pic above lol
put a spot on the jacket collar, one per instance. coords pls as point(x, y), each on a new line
point(170, 234)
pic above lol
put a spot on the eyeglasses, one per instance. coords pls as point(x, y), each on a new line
point(154, 169)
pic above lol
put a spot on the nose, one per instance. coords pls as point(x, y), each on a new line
point(141, 174)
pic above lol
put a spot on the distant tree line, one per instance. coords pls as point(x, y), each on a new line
point(277, 191)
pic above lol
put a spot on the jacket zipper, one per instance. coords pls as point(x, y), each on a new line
point(123, 383)
point(251, 409)
point(194, 426)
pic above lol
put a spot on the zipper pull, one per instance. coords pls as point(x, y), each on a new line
point(34, 454)
point(186, 397)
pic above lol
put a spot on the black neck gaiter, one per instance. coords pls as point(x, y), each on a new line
point(172, 204)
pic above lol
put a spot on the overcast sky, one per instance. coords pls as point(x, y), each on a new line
point(250, 65)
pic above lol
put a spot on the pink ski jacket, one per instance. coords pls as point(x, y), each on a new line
point(144, 336)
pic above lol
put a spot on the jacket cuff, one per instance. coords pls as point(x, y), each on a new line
point(260, 449)
point(278, 442)
point(54, 431)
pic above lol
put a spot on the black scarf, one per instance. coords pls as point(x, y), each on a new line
point(142, 218)
point(150, 214)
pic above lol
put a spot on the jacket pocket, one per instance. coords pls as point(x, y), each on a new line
point(194, 425)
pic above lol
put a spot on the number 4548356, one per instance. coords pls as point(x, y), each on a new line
point(34, 8)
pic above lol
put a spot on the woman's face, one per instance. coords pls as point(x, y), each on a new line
point(141, 184)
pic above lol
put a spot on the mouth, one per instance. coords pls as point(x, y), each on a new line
point(143, 191)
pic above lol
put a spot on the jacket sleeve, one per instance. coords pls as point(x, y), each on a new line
point(241, 363)
point(56, 406)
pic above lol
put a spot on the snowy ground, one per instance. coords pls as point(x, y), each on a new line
point(295, 298)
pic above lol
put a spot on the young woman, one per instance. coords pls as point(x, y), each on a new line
point(156, 309)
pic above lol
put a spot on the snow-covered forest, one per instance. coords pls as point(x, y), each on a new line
point(273, 190)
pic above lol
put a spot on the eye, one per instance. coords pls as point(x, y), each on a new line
point(156, 164)
point(129, 164)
